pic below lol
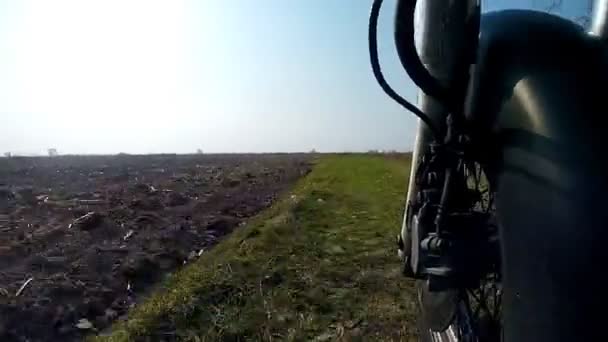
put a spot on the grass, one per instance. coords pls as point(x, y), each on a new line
point(319, 265)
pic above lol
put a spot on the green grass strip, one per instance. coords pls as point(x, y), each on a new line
point(319, 265)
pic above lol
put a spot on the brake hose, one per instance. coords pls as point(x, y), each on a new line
point(373, 54)
point(408, 55)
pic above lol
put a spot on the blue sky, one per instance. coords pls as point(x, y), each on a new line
point(148, 76)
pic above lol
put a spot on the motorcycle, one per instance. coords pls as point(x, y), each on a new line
point(505, 221)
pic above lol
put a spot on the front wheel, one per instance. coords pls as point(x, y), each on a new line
point(464, 303)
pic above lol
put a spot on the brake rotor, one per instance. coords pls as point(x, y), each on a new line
point(438, 307)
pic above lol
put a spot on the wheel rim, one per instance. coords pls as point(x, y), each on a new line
point(478, 313)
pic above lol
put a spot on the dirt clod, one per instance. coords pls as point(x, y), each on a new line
point(88, 221)
point(84, 323)
point(176, 199)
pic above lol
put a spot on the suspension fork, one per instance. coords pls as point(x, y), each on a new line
point(599, 20)
point(440, 36)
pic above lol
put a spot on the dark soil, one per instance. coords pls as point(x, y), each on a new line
point(95, 233)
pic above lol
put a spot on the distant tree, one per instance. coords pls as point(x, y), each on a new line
point(53, 152)
point(372, 151)
point(313, 151)
point(199, 151)
point(584, 20)
point(554, 6)
point(7, 154)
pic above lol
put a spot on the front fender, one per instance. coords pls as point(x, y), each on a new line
point(537, 106)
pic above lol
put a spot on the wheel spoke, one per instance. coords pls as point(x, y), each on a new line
point(487, 301)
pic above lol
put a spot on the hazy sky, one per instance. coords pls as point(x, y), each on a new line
point(145, 76)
